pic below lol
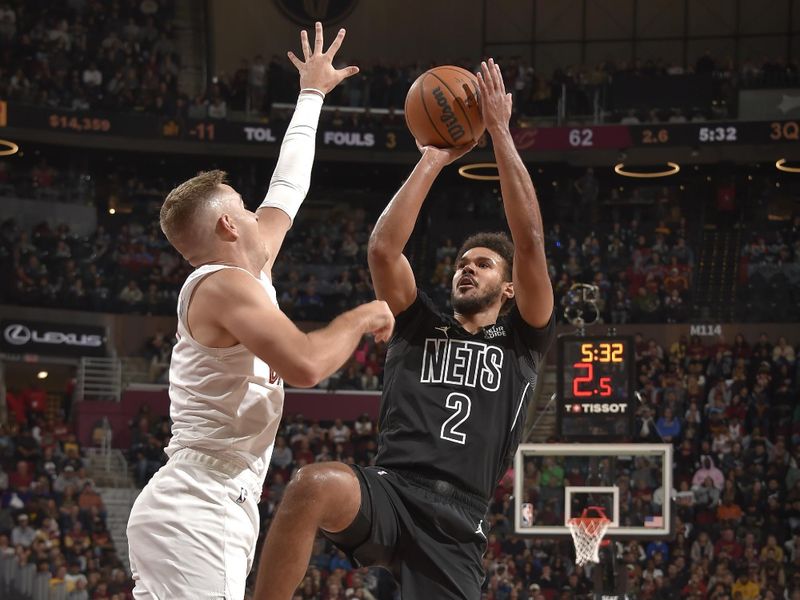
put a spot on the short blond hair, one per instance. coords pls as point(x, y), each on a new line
point(184, 202)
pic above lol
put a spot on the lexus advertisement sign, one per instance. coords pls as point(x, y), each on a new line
point(35, 337)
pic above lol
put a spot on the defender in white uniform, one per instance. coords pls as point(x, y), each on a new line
point(192, 531)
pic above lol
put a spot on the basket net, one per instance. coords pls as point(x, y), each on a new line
point(587, 533)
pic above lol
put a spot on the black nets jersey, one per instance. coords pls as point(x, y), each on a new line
point(454, 403)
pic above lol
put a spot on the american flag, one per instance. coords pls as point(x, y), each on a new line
point(654, 521)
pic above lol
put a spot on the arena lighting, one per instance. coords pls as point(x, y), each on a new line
point(780, 164)
point(466, 171)
point(42, 375)
point(112, 211)
point(7, 148)
point(674, 168)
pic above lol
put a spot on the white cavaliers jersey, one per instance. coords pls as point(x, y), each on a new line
point(223, 401)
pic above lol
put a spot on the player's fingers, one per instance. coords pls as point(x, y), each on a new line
point(383, 335)
point(509, 100)
point(497, 84)
point(481, 83)
point(293, 58)
point(483, 90)
point(317, 38)
point(347, 72)
point(499, 78)
point(336, 43)
point(304, 44)
point(487, 77)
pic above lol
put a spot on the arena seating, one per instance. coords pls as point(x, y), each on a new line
point(54, 540)
point(81, 55)
point(736, 425)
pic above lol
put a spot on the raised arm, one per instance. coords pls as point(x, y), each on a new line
point(301, 359)
point(292, 177)
point(391, 272)
point(533, 291)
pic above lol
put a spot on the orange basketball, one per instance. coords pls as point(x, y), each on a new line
point(442, 108)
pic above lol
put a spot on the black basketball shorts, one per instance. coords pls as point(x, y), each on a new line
point(428, 533)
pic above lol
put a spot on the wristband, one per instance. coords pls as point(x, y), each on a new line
point(320, 93)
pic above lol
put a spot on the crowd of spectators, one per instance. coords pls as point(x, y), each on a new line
point(88, 54)
point(122, 56)
point(637, 245)
point(257, 83)
point(54, 540)
point(769, 269)
point(133, 270)
point(643, 273)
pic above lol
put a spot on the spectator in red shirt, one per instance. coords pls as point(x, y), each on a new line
point(21, 477)
point(303, 452)
point(16, 406)
point(728, 545)
point(35, 399)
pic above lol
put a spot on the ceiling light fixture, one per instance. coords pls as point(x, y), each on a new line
point(466, 171)
point(9, 149)
point(780, 164)
point(674, 168)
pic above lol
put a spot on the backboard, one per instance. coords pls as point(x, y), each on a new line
point(631, 482)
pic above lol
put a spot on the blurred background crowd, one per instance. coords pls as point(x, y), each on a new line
point(718, 243)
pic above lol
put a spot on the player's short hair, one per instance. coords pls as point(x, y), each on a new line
point(497, 241)
point(186, 200)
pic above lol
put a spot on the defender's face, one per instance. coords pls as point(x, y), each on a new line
point(478, 280)
point(246, 222)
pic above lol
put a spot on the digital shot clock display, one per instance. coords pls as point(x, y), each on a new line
point(596, 387)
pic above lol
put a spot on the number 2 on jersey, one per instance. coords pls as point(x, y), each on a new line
point(462, 406)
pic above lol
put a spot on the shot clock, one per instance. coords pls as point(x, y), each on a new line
point(595, 387)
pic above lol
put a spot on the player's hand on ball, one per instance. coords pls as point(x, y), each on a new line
point(495, 102)
point(379, 320)
point(444, 156)
point(317, 71)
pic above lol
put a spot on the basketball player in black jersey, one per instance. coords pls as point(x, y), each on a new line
point(454, 400)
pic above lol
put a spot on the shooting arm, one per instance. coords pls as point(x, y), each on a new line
point(391, 272)
point(532, 288)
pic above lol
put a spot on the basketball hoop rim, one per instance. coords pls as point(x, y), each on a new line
point(588, 520)
point(598, 531)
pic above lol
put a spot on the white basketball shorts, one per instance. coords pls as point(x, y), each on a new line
point(192, 531)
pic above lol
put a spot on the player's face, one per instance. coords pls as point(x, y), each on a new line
point(479, 280)
point(247, 226)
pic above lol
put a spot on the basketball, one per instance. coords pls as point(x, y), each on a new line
point(442, 108)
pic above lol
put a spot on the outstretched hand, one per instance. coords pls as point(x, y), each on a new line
point(317, 71)
point(495, 102)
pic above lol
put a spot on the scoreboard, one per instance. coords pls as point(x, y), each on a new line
point(595, 393)
point(709, 133)
point(391, 138)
